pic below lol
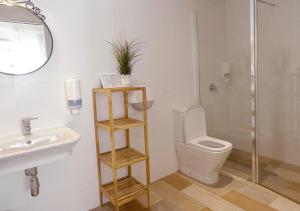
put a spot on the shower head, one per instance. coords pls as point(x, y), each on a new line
point(266, 2)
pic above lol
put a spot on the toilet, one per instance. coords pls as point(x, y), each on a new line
point(200, 156)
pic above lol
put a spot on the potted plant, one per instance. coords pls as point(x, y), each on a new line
point(126, 54)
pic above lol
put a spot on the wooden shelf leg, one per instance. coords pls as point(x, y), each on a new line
point(113, 148)
point(146, 146)
point(97, 148)
point(117, 208)
point(128, 145)
point(115, 184)
point(127, 135)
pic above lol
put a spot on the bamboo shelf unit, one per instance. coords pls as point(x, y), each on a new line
point(123, 190)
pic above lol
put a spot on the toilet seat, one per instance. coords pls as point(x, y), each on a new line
point(210, 144)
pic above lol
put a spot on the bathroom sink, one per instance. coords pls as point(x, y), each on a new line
point(19, 152)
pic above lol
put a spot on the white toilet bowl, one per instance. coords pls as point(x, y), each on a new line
point(200, 156)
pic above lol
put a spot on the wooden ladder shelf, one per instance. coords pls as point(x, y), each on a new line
point(123, 190)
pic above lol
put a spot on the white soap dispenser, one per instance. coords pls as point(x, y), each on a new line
point(73, 95)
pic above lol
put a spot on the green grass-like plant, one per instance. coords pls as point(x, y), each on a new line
point(126, 54)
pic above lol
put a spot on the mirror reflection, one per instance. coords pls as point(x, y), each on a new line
point(25, 41)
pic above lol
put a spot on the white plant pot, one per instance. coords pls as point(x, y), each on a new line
point(125, 80)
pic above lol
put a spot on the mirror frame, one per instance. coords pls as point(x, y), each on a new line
point(29, 5)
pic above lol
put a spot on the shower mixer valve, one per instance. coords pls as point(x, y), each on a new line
point(213, 88)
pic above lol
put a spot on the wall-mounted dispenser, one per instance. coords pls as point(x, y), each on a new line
point(136, 99)
point(226, 72)
point(73, 95)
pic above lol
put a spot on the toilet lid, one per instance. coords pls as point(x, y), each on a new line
point(210, 144)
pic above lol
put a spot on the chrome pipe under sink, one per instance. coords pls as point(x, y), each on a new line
point(34, 181)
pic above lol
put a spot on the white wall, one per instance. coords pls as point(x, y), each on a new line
point(80, 30)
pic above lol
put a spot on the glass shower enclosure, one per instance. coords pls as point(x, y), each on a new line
point(278, 83)
point(249, 84)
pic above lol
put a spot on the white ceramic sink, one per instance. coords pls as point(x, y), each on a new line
point(18, 152)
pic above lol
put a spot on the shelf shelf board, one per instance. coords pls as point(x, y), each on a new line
point(128, 189)
point(121, 123)
point(117, 89)
point(124, 157)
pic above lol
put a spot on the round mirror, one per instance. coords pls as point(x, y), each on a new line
point(26, 42)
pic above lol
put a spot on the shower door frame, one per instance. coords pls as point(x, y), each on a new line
point(254, 90)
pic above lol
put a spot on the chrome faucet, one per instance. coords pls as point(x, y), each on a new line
point(27, 126)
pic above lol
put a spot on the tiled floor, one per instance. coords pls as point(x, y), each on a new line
point(181, 193)
point(281, 177)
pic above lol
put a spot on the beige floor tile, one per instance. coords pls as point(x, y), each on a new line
point(164, 205)
point(246, 202)
point(106, 207)
point(221, 188)
point(284, 204)
point(282, 186)
point(281, 177)
point(284, 173)
point(285, 166)
point(131, 206)
point(154, 197)
point(211, 200)
point(260, 187)
point(177, 181)
point(241, 157)
point(258, 193)
point(206, 209)
point(237, 169)
point(175, 197)
point(295, 186)
point(234, 176)
point(238, 193)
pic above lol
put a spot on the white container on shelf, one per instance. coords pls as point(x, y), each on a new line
point(136, 98)
point(125, 80)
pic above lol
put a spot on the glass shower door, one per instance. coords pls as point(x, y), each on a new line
point(279, 97)
point(224, 67)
